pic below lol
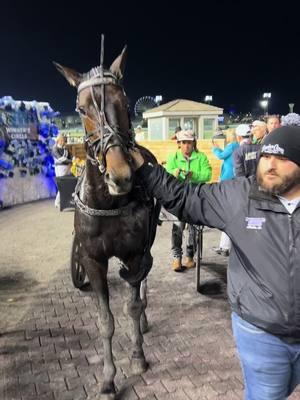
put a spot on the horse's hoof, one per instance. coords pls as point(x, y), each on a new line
point(107, 396)
point(108, 391)
point(144, 324)
point(138, 366)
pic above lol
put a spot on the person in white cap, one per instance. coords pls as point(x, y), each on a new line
point(187, 164)
point(245, 157)
point(259, 131)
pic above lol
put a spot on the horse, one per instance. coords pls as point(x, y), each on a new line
point(114, 216)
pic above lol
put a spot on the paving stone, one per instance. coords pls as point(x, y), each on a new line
point(156, 388)
point(75, 394)
point(46, 396)
point(173, 385)
point(203, 392)
point(179, 394)
point(94, 359)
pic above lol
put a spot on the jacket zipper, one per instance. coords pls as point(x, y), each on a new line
point(291, 314)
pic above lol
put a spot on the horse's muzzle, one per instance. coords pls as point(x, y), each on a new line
point(118, 184)
point(118, 175)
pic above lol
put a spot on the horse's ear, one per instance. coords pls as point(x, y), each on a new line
point(118, 66)
point(74, 78)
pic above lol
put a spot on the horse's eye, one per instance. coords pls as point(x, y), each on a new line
point(81, 111)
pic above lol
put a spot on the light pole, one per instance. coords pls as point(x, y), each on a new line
point(208, 98)
point(158, 99)
point(264, 104)
point(266, 97)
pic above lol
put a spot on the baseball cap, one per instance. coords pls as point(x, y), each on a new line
point(258, 123)
point(243, 130)
point(283, 141)
point(185, 135)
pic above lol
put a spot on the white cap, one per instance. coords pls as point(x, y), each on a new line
point(243, 130)
point(185, 135)
point(258, 123)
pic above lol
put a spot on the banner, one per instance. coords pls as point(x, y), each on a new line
point(29, 132)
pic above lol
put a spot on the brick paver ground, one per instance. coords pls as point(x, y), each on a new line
point(55, 353)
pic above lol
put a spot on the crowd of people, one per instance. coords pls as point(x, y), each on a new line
point(239, 158)
point(257, 205)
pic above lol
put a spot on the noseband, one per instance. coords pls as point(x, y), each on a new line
point(100, 140)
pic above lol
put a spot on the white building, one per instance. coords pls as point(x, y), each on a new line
point(162, 121)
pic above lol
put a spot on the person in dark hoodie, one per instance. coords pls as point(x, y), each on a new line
point(264, 272)
point(246, 156)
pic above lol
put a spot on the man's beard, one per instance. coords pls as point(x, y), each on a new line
point(288, 182)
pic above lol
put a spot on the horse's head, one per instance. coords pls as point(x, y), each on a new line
point(103, 107)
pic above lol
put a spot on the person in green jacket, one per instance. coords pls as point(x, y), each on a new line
point(186, 164)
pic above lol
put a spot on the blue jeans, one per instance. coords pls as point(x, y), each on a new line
point(271, 367)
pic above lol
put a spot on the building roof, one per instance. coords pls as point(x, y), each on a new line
point(182, 105)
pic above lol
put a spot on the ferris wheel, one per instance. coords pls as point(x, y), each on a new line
point(143, 104)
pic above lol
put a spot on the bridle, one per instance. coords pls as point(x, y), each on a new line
point(104, 136)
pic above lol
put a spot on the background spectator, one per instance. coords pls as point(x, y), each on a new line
point(245, 157)
point(227, 172)
point(187, 164)
point(273, 122)
point(62, 161)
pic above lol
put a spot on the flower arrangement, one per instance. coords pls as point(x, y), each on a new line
point(291, 119)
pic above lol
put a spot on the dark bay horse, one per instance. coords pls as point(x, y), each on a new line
point(114, 217)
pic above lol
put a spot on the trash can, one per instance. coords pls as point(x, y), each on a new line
point(66, 186)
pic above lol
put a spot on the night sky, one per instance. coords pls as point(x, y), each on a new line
point(233, 50)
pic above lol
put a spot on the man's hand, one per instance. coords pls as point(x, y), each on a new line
point(137, 158)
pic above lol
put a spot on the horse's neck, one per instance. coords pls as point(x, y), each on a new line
point(94, 191)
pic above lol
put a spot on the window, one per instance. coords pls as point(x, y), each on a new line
point(173, 124)
point(155, 128)
point(189, 123)
point(208, 127)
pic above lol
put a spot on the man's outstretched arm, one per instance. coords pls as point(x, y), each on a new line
point(197, 204)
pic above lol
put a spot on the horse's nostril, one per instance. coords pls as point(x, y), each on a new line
point(107, 176)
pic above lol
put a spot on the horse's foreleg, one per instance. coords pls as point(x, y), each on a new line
point(143, 293)
point(134, 309)
point(97, 274)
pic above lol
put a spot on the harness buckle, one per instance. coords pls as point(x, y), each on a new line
point(101, 168)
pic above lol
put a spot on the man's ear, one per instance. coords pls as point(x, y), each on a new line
point(73, 77)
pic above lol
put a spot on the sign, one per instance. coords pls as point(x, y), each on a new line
point(29, 132)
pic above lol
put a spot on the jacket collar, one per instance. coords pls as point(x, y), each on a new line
point(265, 201)
point(181, 157)
point(257, 194)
